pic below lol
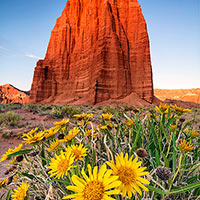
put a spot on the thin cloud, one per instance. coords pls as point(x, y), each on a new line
point(32, 56)
point(3, 48)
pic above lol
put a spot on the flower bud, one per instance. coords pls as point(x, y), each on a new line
point(163, 173)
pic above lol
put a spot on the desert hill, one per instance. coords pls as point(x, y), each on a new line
point(10, 94)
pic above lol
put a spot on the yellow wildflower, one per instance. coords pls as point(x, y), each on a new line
point(21, 192)
point(195, 133)
point(60, 165)
point(15, 178)
point(53, 145)
point(179, 110)
point(89, 133)
point(107, 116)
point(78, 151)
point(81, 123)
point(2, 182)
point(97, 186)
point(31, 139)
point(90, 115)
point(163, 108)
point(51, 132)
point(82, 116)
point(103, 127)
point(72, 133)
point(173, 127)
point(111, 125)
point(63, 129)
point(61, 123)
point(185, 146)
point(11, 151)
point(129, 123)
point(33, 131)
point(129, 173)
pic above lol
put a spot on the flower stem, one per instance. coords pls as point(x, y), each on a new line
point(175, 175)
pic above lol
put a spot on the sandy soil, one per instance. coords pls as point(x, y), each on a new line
point(29, 120)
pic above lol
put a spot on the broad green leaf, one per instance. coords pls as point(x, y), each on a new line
point(20, 152)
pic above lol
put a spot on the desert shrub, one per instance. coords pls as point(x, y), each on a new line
point(32, 107)
point(14, 106)
point(9, 118)
point(57, 112)
point(62, 111)
point(112, 110)
point(71, 110)
point(45, 107)
point(128, 108)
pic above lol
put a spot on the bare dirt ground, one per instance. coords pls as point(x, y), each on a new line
point(10, 137)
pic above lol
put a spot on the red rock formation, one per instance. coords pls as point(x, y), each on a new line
point(98, 50)
point(189, 95)
point(10, 94)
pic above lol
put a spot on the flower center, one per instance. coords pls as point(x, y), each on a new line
point(77, 153)
point(126, 175)
point(21, 195)
point(94, 190)
point(63, 166)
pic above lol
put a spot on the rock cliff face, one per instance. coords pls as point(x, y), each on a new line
point(10, 94)
point(98, 50)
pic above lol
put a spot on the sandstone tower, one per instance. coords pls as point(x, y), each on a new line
point(98, 50)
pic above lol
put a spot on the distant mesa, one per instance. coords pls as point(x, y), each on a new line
point(187, 95)
point(10, 94)
point(98, 51)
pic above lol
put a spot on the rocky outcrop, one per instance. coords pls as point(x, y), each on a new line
point(189, 95)
point(10, 94)
point(98, 50)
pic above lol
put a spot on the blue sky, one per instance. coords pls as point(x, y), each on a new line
point(173, 26)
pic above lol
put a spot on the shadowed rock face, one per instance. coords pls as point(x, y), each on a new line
point(98, 50)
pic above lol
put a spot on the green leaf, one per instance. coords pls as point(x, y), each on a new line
point(45, 159)
point(20, 152)
point(192, 179)
point(66, 181)
point(30, 176)
point(43, 156)
point(2, 196)
point(157, 158)
point(185, 188)
point(153, 189)
point(165, 159)
point(174, 152)
point(8, 195)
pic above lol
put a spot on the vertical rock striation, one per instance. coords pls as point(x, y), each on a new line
point(98, 50)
